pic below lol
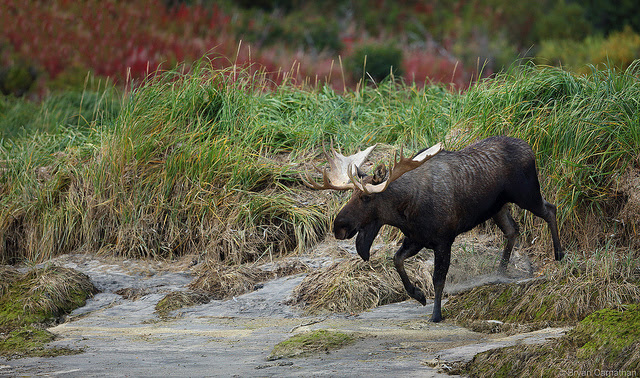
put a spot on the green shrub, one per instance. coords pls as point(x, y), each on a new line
point(321, 34)
point(375, 61)
point(296, 30)
point(17, 79)
point(269, 4)
point(566, 20)
point(618, 51)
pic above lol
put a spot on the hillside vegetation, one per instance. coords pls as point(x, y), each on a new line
point(208, 161)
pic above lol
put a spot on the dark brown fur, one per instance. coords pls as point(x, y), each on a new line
point(450, 194)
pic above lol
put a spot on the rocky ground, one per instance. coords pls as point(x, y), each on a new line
point(121, 335)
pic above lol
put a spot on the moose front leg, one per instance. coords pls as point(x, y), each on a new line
point(408, 249)
point(442, 258)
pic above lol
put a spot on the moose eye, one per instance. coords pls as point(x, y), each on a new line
point(365, 198)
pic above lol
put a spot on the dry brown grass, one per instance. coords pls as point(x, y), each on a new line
point(179, 299)
point(55, 289)
point(131, 293)
point(354, 285)
point(216, 281)
point(628, 216)
point(8, 275)
point(223, 281)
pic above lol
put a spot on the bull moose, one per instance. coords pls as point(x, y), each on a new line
point(435, 196)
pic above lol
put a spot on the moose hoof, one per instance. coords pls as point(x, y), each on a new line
point(419, 296)
point(559, 256)
point(436, 319)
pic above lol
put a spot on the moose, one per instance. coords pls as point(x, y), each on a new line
point(435, 196)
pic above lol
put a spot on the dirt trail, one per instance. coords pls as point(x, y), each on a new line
point(231, 338)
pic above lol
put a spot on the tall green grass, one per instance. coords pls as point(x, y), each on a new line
point(61, 110)
point(206, 161)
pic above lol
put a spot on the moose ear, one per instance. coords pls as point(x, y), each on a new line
point(380, 174)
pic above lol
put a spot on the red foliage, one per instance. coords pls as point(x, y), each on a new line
point(130, 40)
point(112, 38)
point(428, 67)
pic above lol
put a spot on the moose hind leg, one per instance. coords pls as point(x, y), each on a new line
point(528, 197)
point(547, 211)
point(550, 218)
point(408, 249)
point(509, 227)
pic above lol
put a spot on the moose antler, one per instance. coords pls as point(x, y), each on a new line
point(396, 169)
point(341, 168)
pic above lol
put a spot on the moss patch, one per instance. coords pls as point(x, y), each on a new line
point(308, 343)
point(31, 300)
point(608, 331)
point(30, 341)
point(607, 340)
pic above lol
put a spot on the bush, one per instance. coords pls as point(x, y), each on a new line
point(618, 50)
point(17, 79)
point(566, 20)
point(285, 5)
point(375, 61)
point(321, 34)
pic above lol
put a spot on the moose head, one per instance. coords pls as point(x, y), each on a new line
point(368, 209)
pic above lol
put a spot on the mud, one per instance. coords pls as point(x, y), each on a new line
point(233, 338)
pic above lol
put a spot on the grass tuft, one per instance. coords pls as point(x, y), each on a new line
point(30, 300)
point(224, 282)
point(610, 278)
point(354, 285)
point(179, 299)
point(42, 294)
